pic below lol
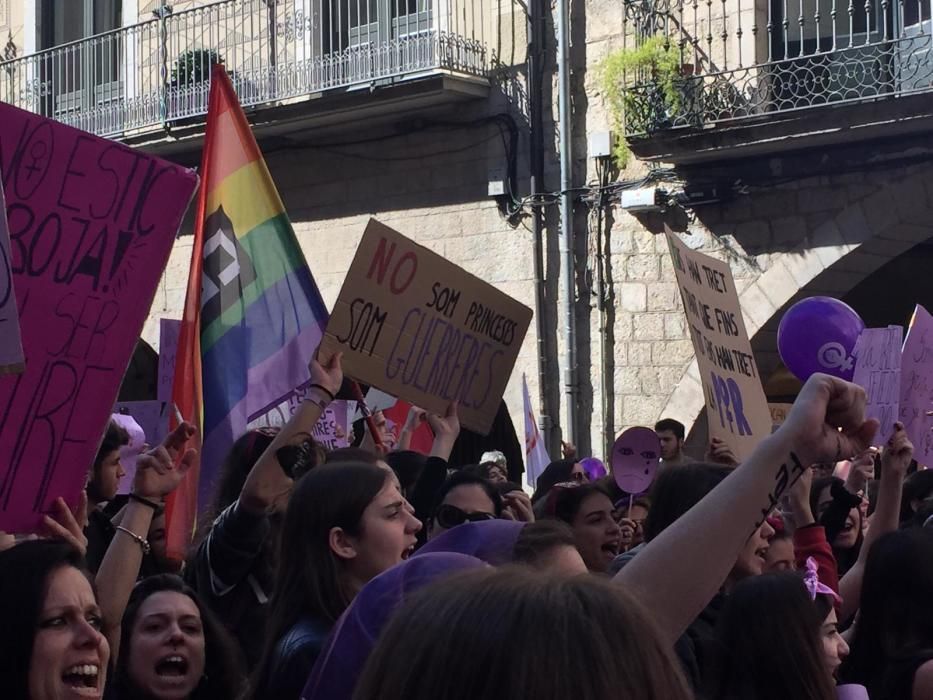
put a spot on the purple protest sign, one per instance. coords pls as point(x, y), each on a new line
point(917, 385)
point(878, 370)
point(169, 330)
point(12, 360)
point(635, 456)
point(129, 453)
point(331, 428)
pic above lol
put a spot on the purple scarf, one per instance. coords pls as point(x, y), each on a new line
point(492, 541)
point(340, 664)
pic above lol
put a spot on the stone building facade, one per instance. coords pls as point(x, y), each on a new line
point(834, 199)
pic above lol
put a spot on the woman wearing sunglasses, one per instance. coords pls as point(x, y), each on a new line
point(464, 498)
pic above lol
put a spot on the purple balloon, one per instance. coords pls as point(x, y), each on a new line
point(818, 335)
point(635, 456)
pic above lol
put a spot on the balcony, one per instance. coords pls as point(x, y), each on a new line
point(761, 76)
point(154, 75)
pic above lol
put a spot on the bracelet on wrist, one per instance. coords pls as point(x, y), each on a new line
point(324, 390)
point(320, 403)
point(142, 542)
point(145, 501)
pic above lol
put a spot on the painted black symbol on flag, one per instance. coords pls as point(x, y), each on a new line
point(227, 268)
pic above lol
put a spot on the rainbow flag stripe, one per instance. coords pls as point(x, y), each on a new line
point(259, 315)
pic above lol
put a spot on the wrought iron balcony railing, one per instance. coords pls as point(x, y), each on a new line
point(747, 58)
point(157, 72)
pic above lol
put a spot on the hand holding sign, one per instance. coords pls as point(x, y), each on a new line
point(446, 431)
point(635, 457)
point(329, 375)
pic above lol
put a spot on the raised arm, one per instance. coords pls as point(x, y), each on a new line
point(895, 459)
point(680, 571)
point(446, 430)
point(268, 481)
point(158, 473)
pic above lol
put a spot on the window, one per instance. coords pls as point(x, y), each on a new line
point(86, 74)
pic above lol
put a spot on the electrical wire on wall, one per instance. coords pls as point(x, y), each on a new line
point(506, 131)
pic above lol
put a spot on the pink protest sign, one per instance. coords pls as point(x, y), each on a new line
point(917, 385)
point(169, 330)
point(11, 343)
point(92, 224)
point(635, 456)
point(878, 370)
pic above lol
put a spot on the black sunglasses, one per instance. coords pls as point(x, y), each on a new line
point(448, 516)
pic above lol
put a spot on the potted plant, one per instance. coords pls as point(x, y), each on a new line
point(645, 88)
point(187, 89)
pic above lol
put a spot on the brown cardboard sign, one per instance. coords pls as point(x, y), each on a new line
point(735, 400)
point(416, 326)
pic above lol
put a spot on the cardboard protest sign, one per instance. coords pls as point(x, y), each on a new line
point(779, 412)
point(11, 343)
point(916, 395)
point(420, 328)
point(92, 224)
point(878, 370)
point(169, 331)
point(735, 401)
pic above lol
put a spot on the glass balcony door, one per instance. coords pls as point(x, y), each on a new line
point(80, 76)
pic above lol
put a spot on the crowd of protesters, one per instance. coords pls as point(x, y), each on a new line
point(803, 573)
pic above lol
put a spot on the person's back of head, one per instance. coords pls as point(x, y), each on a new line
point(817, 487)
point(351, 454)
point(237, 465)
point(548, 545)
point(407, 465)
point(895, 616)
point(768, 633)
point(676, 490)
point(491, 635)
point(554, 473)
point(917, 488)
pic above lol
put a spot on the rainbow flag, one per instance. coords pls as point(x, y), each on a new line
point(253, 314)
